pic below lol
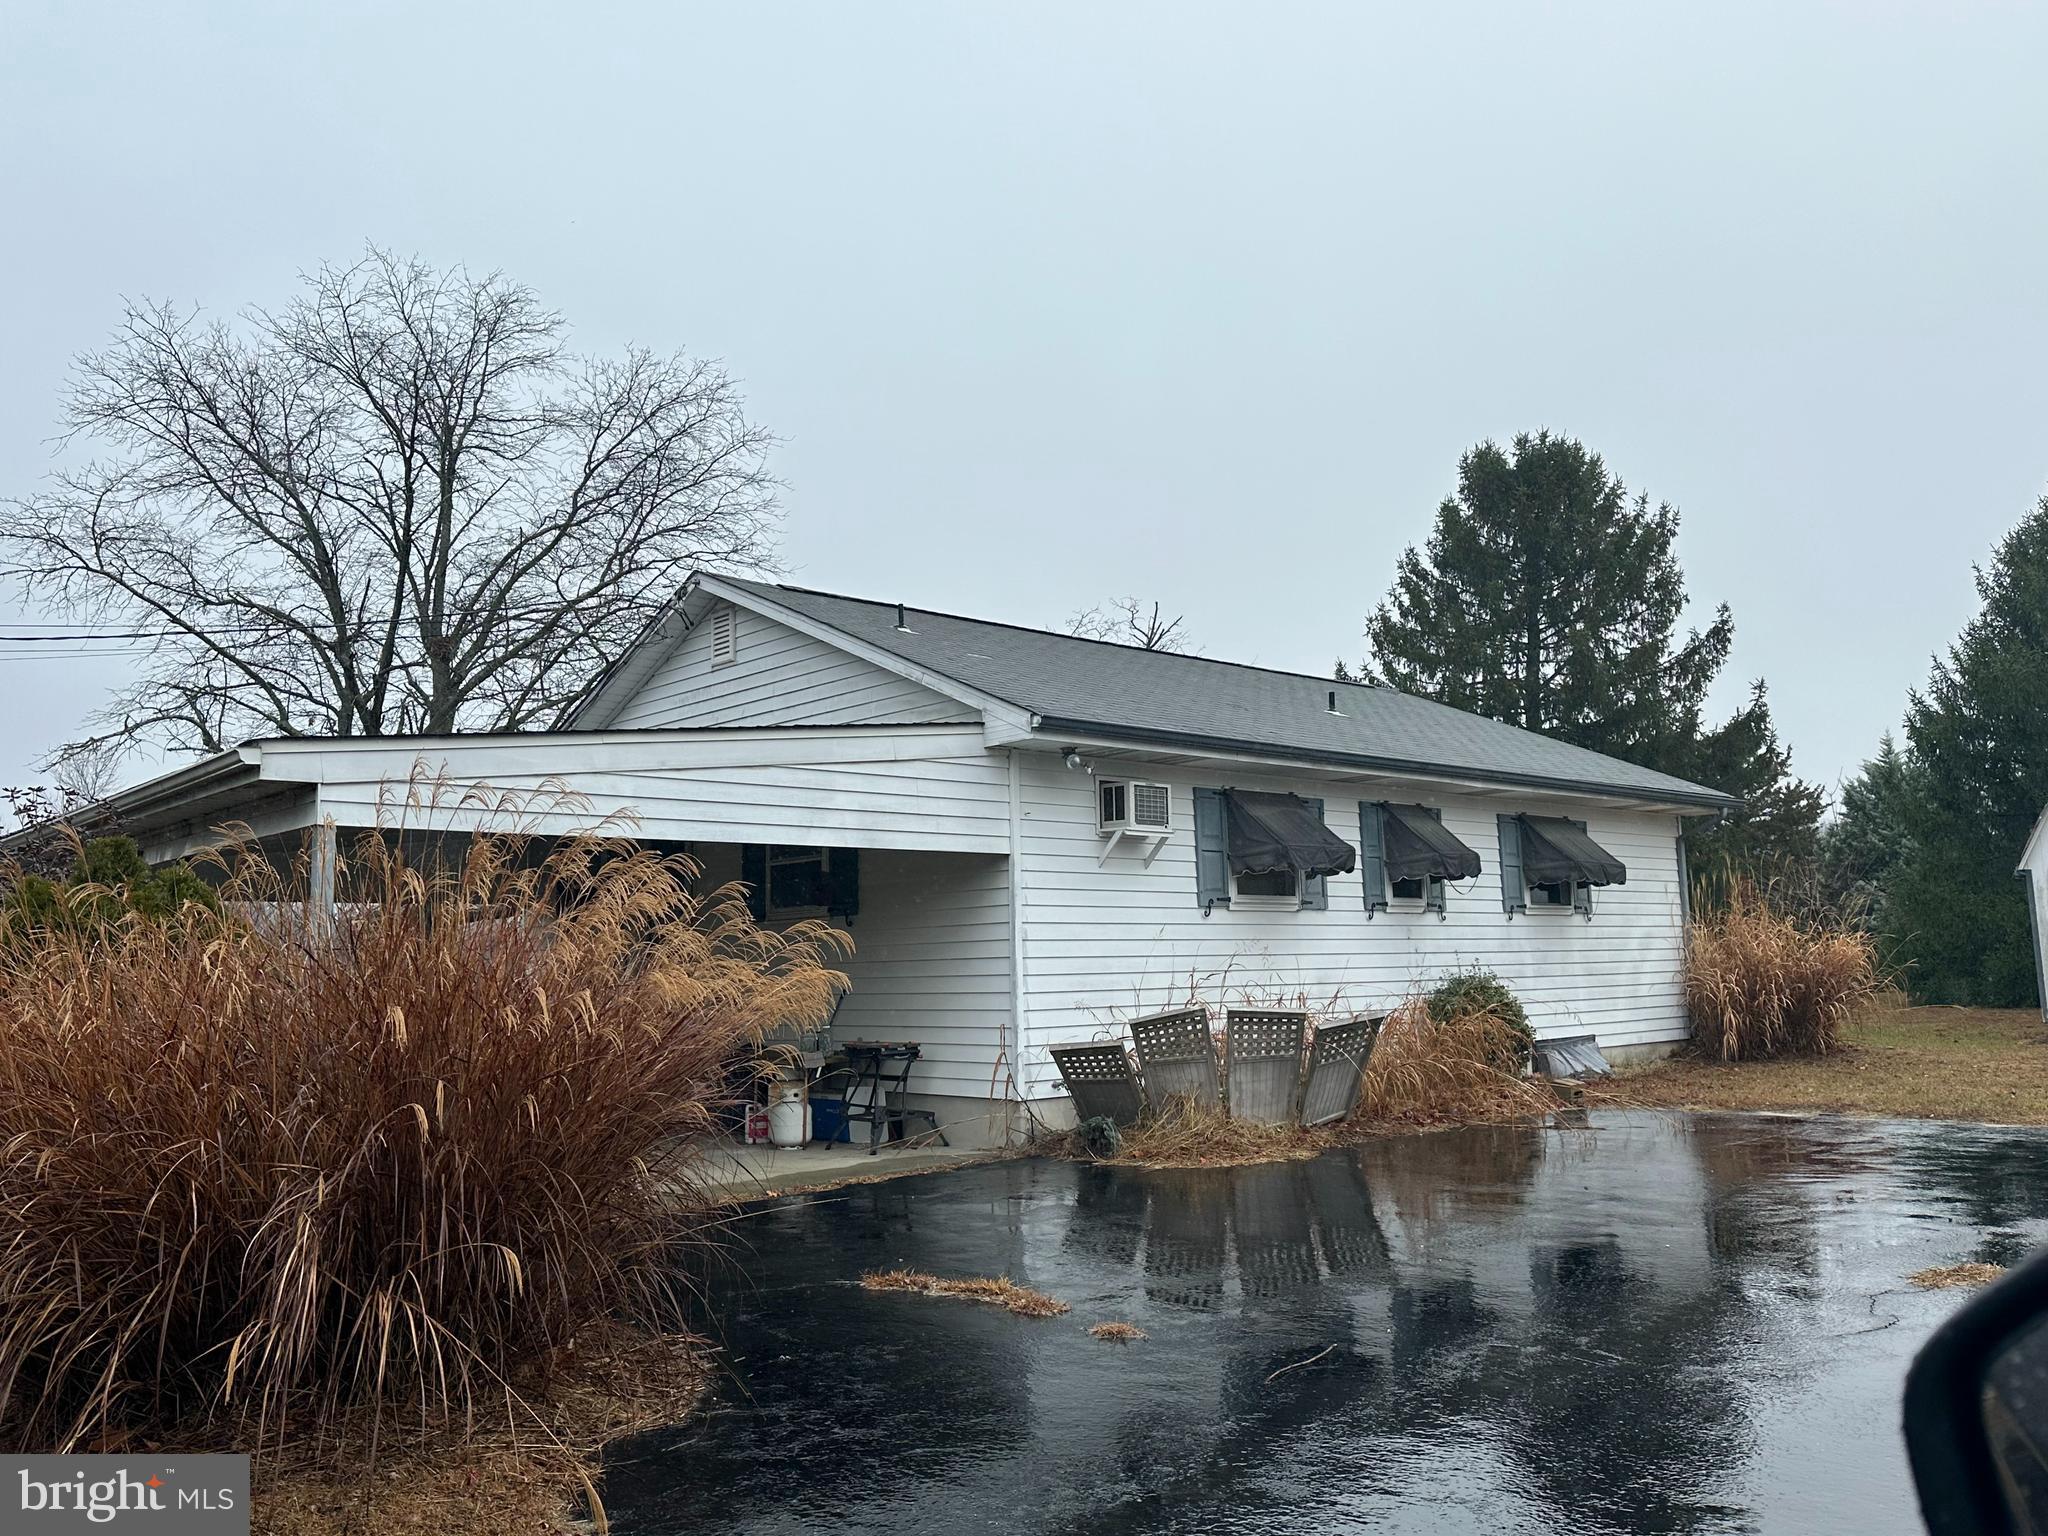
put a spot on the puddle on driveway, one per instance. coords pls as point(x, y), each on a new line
point(1658, 1323)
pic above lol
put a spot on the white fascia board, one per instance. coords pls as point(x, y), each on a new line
point(2034, 851)
point(663, 635)
point(331, 758)
point(997, 713)
point(1310, 768)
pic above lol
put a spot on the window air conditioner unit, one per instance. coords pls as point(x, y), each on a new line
point(1124, 805)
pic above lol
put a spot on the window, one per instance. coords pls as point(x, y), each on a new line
point(1279, 885)
point(1407, 890)
point(1551, 893)
point(724, 636)
point(1113, 810)
point(796, 879)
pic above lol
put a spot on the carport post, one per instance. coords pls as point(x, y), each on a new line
point(320, 865)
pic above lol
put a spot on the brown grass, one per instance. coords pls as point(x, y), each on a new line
point(1944, 1277)
point(1456, 1071)
point(1979, 1064)
point(523, 1467)
point(278, 1170)
point(1760, 983)
point(1117, 1333)
point(1187, 1135)
point(997, 1292)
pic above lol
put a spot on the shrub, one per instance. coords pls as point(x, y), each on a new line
point(119, 881)
point(1480, 991)
point(1761, 983)
point(385, 1159)
point(1463, 1067)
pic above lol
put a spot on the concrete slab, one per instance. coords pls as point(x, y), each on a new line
point(738, 1172)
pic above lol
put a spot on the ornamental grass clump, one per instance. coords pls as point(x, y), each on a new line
point(296, 1169)
point(1461, 1068)
point(1761, 983)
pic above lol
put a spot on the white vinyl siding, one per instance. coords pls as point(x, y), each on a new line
point(931, 962)
point(776, 676)
point(1104, 942)
point(859, 787)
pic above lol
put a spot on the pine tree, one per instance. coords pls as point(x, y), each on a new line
point(1870, 839)
point(1980, 735)
point(1550, 598)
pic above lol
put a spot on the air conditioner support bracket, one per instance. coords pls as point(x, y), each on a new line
point(1111, 839)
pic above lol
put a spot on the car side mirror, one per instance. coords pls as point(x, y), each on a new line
point(1976, 1412)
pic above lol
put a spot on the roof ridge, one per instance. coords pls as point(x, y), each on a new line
point(1055, 634)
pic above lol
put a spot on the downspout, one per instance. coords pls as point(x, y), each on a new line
point(1013, 1047)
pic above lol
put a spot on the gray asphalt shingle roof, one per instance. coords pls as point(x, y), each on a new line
point(1123, 691)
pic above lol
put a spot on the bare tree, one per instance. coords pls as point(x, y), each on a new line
point(399, 504)
point(1127, 621)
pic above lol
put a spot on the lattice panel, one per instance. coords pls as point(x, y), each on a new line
point(1177, 1057)
point(1336, 1067)
point(1264, 1053)
point(1258, 1032)
point(1101, 1081)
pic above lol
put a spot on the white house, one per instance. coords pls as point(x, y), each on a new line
point(1032, 835)
point(2034, 871)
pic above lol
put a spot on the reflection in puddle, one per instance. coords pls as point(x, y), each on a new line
point(1653, 1324)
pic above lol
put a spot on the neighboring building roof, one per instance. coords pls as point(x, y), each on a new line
point(2034, 854)
point(1097, 687)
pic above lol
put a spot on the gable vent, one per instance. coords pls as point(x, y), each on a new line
point(724, 636)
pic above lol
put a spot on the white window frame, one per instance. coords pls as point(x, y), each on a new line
point(1265, 902)
point(1547, 903)
point(1105, 786)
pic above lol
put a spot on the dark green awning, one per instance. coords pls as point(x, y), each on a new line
point(1417, 847)
point(1268, 832)
point(1555, 851)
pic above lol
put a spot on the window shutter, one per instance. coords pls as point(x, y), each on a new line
point(1684, 885)
point(1514, 896)
point(1315, 894)
point(842, 882)
point(1372, 856)
point(1582, 894)
point(1433, 893)
point(1212, 860)
point(754, 872)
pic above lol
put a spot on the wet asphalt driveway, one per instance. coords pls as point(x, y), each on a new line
point(1657, 1323)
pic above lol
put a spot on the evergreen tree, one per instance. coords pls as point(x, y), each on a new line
point(1980, 735)
point(1548, 597)
point(1870, 839)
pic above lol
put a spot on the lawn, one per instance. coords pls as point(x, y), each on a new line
point(1984, 1064)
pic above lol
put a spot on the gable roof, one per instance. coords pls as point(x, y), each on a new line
point(1100, 688)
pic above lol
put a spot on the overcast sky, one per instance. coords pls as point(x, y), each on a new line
point(1052, 303)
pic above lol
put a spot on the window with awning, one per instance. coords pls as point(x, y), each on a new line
point(1555, 851)
point(1406, 853)
point(1551, 861)
point(1265, 846)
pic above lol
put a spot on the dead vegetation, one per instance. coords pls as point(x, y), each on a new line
point(521, 1469)
point(1425, 1072)
point(1944, 1277)
point(1461, 1070)
point(1987, 1065)
point(368, 1179)
point(1117, 1333)
point(996, 1291)
point(1190, 1135)
point(1761, 983)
